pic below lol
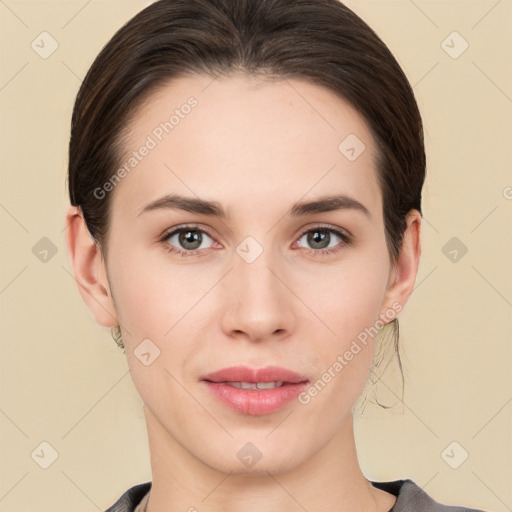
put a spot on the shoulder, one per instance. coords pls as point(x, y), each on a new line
point(409, 497)
point(130, 499)
point(412, 497)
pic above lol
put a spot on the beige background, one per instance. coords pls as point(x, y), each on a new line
point(65, 382)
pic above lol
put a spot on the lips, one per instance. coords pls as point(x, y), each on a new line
point(254, 375)
point(255, 391)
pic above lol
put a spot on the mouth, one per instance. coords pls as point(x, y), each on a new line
point(254, 385)
point(255, 392)
point(247, 375)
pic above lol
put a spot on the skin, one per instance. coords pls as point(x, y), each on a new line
point(256, 147)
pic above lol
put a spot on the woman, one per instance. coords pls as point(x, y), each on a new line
point(245, 181)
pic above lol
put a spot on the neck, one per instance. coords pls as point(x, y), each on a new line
point(331, 479)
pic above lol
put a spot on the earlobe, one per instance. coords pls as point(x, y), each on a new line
point(89, 269)
point(403, 275)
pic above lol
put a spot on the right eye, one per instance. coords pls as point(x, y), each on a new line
point(185, 240)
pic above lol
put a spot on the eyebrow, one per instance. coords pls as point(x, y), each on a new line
point(323, 204)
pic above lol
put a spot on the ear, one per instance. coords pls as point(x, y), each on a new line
point(403, 274)
point(89, 269)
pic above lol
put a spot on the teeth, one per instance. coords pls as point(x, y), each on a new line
point(256, 385)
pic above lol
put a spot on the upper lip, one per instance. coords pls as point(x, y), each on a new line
point(246, 374)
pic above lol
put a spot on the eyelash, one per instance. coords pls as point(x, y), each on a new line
point(347, 240)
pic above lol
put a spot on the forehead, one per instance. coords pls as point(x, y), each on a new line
point(238, 139)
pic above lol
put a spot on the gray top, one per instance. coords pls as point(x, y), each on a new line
point(410, 498)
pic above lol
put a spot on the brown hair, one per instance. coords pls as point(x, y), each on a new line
point(318, 40)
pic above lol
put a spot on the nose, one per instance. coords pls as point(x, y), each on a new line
point(258, 302)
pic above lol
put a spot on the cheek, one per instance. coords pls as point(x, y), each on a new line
point(343, 357)
point(347, 298)
point(152, 294)
point(156, 303)
point(165, 303)
point(348, 301)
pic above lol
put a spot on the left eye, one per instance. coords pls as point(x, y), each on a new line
point(320, 238)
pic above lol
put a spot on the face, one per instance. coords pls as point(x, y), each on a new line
point(262, 285)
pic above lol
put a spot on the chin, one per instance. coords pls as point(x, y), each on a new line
point(249, 461)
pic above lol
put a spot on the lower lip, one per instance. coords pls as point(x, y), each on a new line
point(256, 402)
